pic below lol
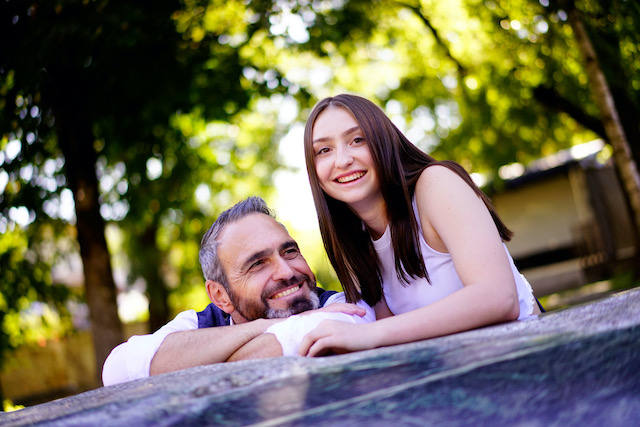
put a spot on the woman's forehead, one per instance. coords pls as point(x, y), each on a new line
point(332, 121)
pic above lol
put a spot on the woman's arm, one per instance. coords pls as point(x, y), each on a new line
point(454, 220)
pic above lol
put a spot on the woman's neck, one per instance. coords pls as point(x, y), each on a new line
point(374, 216)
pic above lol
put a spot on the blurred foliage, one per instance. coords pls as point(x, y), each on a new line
point(482, 82)
point(187, 102)
point(25, 284)
point(624, 280)
point(8, 406)
point(485, 83)
point(152, 94)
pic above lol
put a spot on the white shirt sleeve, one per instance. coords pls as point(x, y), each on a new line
point(290, 332)
point(132, 359)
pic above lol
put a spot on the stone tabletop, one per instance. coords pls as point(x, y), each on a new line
point(577, 366)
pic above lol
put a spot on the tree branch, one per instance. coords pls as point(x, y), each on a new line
point(462, 71)
point(553, 100)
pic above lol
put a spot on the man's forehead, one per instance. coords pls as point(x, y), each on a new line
point(249, 234)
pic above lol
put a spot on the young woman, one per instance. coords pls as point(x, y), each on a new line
point(412, 236)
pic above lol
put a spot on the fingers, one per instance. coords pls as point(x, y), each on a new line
point(319, 349)
point(313, 336)
point(336, 337)
point(315, 348)
point(306, 343)
point(342, 307)
point(323, 340)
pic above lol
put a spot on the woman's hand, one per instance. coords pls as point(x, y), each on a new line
point(339, 307)
point(335, 337)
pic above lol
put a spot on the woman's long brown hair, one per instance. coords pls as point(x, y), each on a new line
point(398, 164)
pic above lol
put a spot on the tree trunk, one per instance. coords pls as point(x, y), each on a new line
point(76, 140)
point(157, 291)
point(613, 128)
point(158, 305)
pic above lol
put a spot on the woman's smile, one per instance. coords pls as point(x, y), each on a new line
point(350, 177)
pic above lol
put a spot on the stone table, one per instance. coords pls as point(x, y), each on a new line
point(577, 366)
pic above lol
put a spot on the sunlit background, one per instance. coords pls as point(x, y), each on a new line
point(181, 113)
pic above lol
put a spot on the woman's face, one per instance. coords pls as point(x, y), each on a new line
point(342, 158)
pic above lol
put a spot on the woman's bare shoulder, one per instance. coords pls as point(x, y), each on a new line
point(440, 180)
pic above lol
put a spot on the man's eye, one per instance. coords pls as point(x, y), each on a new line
point(291, 253)
point(256, 264)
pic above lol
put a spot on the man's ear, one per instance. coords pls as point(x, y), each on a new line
point(219, 296)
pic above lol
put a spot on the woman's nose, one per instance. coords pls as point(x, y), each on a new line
point(343, 158)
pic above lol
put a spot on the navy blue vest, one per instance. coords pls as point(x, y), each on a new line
point(212, 316)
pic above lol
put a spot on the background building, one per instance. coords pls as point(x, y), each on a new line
point(571, 221)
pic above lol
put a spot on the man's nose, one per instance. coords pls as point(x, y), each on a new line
point(283, 271)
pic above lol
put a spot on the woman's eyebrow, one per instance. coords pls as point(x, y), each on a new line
point(345, 133)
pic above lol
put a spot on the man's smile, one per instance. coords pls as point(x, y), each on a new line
point(286, 292)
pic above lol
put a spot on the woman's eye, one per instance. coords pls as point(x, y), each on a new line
point(323, 150)
point(358, 140)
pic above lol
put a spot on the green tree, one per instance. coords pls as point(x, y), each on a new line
point(106, 90)
point(487, 83)
point(25, 278)
point(614, 129)
point(156, 115)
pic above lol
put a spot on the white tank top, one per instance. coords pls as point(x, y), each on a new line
point(444, 279)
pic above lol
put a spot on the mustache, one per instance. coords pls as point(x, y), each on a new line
point(298, 306)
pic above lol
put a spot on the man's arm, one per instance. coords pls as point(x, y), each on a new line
point(177, 345)
point(261, 347)
point(131, 359)
point(205, 346)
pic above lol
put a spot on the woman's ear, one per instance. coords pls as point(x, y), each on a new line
point(219, 296)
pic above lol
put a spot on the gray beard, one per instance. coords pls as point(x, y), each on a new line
point(298, 306)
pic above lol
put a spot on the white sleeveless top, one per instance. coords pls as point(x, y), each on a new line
point(442, 274)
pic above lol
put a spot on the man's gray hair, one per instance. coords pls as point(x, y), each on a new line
point(209, 259)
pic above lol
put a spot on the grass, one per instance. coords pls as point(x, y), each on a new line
point(590, 292)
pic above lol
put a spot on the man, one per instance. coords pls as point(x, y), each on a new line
point(255, 277)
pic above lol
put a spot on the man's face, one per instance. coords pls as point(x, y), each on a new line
point(267, 274)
